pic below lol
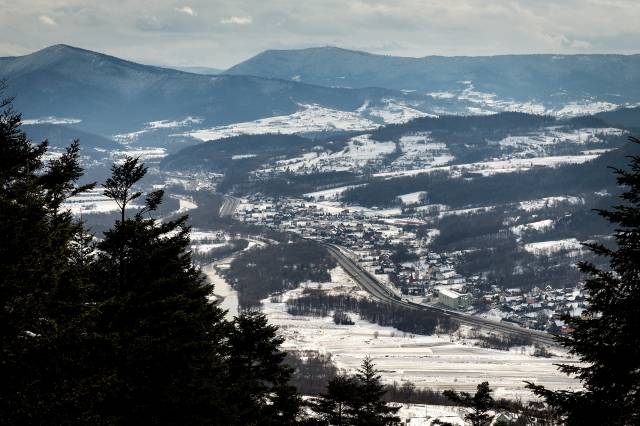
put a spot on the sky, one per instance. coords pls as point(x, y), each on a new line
point(221, 33)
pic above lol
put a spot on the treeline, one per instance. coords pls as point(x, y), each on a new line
point(262, 271)
point(503, 123)
point(219, 156)
point(292, 184)
point(316, 303)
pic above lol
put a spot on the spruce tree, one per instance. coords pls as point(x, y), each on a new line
point(259, 388)
point(480, 404)
point(372, 410)
point(356, 400)
point(606, 337)
point(166, 355)
point(339, 404)
point(44, 345)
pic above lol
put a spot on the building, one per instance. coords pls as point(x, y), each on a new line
point(453, 299)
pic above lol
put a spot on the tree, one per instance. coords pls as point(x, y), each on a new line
point(164, 360)
point(480, 404)
point(44, 345)
point(606, 337)
point(338, 405)
point(259, 381)
point(373, 410)
point(356, 400)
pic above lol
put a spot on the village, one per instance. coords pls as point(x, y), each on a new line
point(385, 244)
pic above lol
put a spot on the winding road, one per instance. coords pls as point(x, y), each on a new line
point(379, 291)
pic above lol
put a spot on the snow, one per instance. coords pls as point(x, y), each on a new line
point(537, 143)
point(359, 151)
point(438, 362)
point(584, 108)
point(145, 154)
point(442, 95)
point(151, 126)
point(411, 198)
point(222, 290)
point(424, 415)
point(311, 119)
point(554, 246)
point(547, 202)
point(92, 201)
point(330, 194)
point(487, 168)
point(242, 156)
point(171, 124)
point(483, 103)
point(541, 225)
point(395, 112)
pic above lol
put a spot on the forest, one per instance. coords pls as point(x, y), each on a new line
point(316, 303)
point(259, 272)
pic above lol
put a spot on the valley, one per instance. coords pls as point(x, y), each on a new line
point(457, 211)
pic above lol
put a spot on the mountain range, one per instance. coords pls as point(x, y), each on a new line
point(609, 77)
point(109, 95)
point(106, 95)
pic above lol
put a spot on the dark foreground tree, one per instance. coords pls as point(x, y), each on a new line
point(166, 353)
point(606, 337)
point(44, 345)
point(259, 385)
point(373, 410)
point(338, 405)
point(480, 404)
point(122, 331)
point(356, 400)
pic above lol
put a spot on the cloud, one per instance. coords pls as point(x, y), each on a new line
point(237, 20)
point(580, 44)
point(47, 20)
point(185, 32)
point(187, 10)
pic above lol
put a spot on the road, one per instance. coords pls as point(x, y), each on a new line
point(378, 290)
point(229, 206)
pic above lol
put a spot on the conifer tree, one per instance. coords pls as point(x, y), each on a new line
point(480, 404)
point(166, 353)
point(43, 341)
point(372, 409)
point(606, 337)
point(356, 400)
point(259, 382)
point(338, 405)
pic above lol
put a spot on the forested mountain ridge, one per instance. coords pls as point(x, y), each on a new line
point(516, 76)
point(80, 84)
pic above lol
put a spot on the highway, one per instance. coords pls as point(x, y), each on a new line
point(378, 290)
point(229, 206)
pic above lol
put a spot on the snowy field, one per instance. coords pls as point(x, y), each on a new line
point(313, 118)
point(438, 362)
point(393, 112)
point(488, 168)
point(360, 151)
point(547, 248)
point(548, 202)
point(92, 201)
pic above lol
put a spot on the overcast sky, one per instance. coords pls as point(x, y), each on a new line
point(220, 33)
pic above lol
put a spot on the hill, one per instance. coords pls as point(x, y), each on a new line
point(546, 78)
point(109, 95)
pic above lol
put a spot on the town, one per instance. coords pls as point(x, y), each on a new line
point(389, 247)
